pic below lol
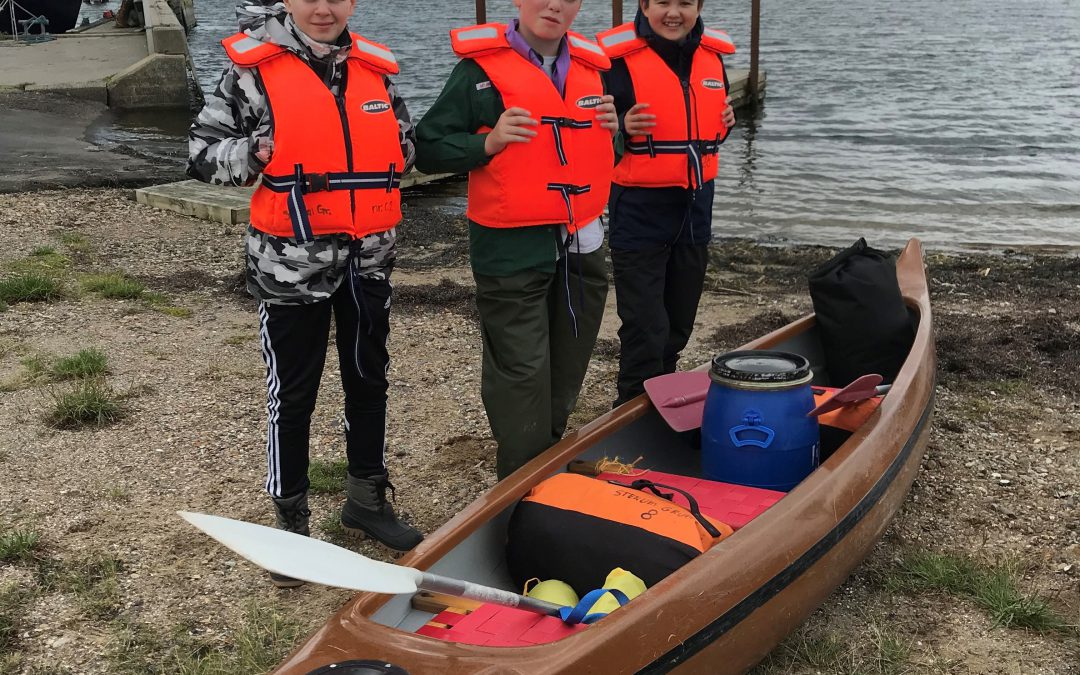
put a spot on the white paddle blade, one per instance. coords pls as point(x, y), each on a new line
point(301, 557)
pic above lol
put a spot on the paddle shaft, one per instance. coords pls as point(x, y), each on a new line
point(679, 401)
point(466, 589)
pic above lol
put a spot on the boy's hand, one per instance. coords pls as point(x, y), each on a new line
point(264, 149)
point(729, 117)
point(638, 123)
point(605, 112)
point(512, 127)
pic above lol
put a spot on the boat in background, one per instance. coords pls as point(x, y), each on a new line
point(62, 14)
point(723, 611)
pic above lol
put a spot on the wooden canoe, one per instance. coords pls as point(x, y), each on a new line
point(720, 613)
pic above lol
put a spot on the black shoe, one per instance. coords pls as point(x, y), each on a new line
point(282, 581)
point(292, 516)
point(367, 513)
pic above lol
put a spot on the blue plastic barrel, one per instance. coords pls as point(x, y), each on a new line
point(755, 430)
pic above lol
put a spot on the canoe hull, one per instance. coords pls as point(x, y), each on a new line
point(726, 610)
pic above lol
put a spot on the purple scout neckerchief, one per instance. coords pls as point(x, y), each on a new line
point(562, 60)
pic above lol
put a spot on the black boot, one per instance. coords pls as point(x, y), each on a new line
point(367, 512)
point(292, 516)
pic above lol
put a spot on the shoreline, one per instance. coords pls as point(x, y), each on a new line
point(1000, 482)
point(46, 142)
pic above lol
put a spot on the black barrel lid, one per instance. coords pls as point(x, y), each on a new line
point(760, 366)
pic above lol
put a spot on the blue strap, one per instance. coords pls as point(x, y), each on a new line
point(577, 613)
point(298, 211)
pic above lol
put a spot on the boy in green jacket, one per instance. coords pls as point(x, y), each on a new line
point(525, 114)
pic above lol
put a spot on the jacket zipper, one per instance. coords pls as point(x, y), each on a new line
point(689, 130)
point(340, 99)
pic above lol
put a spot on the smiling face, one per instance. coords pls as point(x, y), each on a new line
point(322, 20)
point(543, 23)
point(671, 19)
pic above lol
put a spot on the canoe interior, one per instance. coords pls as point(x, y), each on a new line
point(481, 556)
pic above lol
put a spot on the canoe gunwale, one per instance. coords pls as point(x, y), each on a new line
point(868, 464)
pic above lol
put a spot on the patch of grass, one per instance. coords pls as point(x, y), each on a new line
point(118, 494)
point(3, 307)
point(237, 340)
point(998, 593)
point(90, 402)
point(824, 654)
point(327, 477)
point(993, 587)
point(93, 579)
point(934, 571)
point(75, 242)
point(43, 260)
point(173, 310)
point(115, 285)
point(160, 302)
point(89, 362)
point(890, 654)
point(332, 529)
point(264, 639)
point(29, 287)
point(873, 651)
point(13, 602)
point(11, 346)
point(19, 545)
point(37, 366)
point(256, 646)
point(10, 664)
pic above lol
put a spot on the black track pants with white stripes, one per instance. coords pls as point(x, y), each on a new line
point(294, 342)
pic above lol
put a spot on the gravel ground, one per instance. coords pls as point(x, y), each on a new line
point(1001, 478)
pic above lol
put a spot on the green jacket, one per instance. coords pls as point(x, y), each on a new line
point(446, 141)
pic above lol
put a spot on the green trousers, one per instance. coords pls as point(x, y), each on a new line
point(534, 360)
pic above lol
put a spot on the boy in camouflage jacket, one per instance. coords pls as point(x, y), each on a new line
point(300, 283)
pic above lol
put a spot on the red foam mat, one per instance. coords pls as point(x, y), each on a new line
point(497, 626)
point(735, 505)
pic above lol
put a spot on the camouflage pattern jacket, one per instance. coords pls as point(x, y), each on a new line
point(231, 141)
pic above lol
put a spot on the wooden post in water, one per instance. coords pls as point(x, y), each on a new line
point(616, 13)
point(481, 11)
point(755, 33)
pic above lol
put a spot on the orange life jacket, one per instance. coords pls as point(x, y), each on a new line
point(337, 164)
point(682, 149)
point(563, 175)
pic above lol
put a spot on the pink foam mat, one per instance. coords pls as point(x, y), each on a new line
point(497, 626)
point(735, 505)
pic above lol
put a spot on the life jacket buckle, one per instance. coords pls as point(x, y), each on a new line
point(316, 182)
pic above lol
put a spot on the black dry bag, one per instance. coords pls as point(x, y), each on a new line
point(865, 326)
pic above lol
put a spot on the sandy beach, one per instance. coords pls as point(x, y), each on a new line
point(98, 575)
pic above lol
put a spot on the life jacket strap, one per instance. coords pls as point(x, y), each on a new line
point(329, 182)
point(567, 189)
point(653, 148)
point(563, 122)
point(301, 183)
